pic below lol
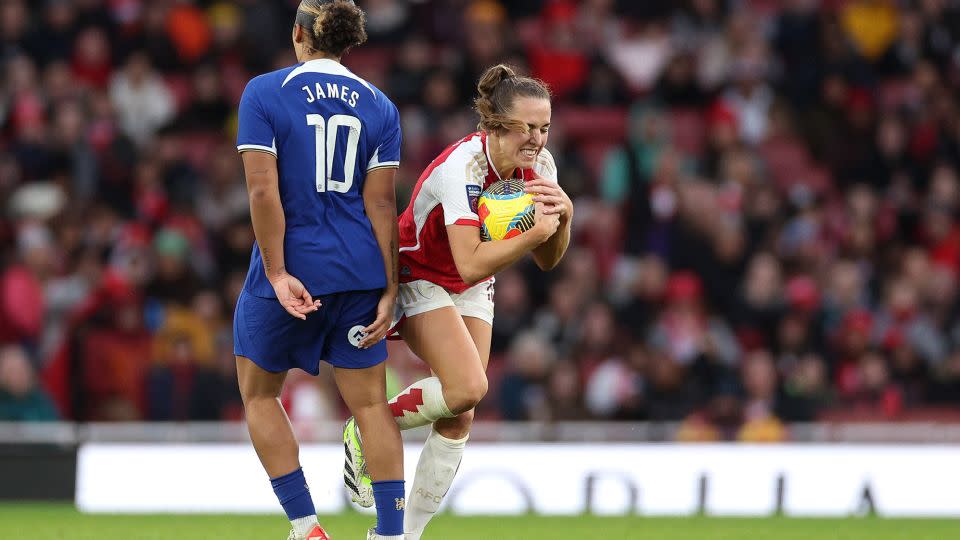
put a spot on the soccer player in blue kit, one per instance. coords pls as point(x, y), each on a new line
point(320, 148)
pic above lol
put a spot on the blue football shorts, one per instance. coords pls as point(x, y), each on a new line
point(274, 340)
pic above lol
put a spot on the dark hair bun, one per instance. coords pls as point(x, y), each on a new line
point(339, 27)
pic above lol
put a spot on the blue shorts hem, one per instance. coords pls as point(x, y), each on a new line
point(348, 364)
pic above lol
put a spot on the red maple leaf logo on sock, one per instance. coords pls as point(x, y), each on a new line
point(410, 401)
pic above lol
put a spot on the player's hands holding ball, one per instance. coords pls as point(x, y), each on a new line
point(544, 224)
point(552, 196)
point(293, 296)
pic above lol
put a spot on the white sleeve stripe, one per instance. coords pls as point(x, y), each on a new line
point(384, 164)
point(374, 159)
point(258, 147)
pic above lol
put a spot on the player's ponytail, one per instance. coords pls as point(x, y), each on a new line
point(335, 26)
point(491, 78)
point(498, 87)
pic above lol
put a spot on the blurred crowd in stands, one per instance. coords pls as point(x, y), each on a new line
point(766, 199)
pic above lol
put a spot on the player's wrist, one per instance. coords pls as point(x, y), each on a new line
point(390, 291)
point(277, 274)
point(543, 232)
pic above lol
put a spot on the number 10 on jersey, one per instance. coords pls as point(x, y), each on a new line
point(327, 132)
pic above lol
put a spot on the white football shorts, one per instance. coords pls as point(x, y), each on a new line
point(421, 296)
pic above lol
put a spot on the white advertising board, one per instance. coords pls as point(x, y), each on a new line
point(615, 479)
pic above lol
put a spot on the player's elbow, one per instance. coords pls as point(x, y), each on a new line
point(258, 193)
point(546, 263)
point(470, 277)
point(380, 204)
point(470, 273)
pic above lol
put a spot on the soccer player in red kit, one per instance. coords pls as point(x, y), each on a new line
point(445, 301)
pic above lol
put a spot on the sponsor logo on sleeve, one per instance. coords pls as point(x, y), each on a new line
point(473, 196)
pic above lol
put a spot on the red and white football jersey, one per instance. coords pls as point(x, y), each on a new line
point(447, 194)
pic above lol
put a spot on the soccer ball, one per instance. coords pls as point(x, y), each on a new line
point(505, 210)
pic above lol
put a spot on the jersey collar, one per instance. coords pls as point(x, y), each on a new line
point(326, 66)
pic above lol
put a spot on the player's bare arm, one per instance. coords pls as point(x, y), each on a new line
point(266, 213)
point(556, 202)
point(477, 260)
point(380, 203)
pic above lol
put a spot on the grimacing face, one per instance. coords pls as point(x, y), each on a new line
point(520, 148)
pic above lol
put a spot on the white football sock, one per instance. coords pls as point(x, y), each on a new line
point(436, 469)
point(302, 526)
point(420, 404)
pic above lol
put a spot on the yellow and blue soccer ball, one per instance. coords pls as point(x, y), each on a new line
point(505, 210)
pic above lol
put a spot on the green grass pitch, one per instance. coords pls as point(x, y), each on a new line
point(62, 522)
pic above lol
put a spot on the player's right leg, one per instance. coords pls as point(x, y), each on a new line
point(443, 450)
point(436, 332)
point(441, 339)
point(364, 391)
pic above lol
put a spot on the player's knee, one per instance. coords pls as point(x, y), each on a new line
point(468, 394)
point(456, 427)
point(251, 394)
point(463, 421)
point(249, 399)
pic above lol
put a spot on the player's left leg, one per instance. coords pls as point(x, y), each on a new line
point(276, 445)
point(443, 450)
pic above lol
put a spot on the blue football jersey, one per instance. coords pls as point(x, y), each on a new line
point(328, 128)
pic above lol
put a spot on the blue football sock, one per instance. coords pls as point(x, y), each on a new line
point(389, 495)
point(294, 494)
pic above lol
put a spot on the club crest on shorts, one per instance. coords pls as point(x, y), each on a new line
point(473, 196)
point(355, 335)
